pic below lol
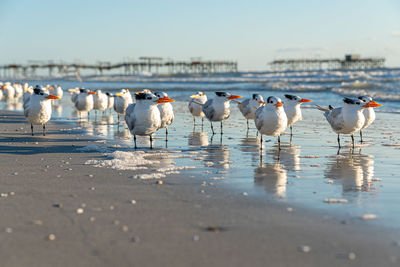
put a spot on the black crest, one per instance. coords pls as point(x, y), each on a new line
point(254, 96)
point(140, 96)
point(291, 97)
point(37, 89)
point(349, 101)
point(220, 93)
point(270, 99)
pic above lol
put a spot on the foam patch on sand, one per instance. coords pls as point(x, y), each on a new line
point(121, 160)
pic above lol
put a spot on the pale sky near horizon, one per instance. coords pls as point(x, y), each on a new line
point(250, 32)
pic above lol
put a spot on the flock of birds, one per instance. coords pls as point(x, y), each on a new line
point(150, 111)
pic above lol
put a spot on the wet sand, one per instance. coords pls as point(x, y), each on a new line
point(49, 193)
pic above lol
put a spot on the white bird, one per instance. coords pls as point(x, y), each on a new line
point(8, 92)
point(1, 91)
point(347, 119)
point(38, 108)
point(218, 109)
point(166, 112)
point(18, 91)
point(100, 101)
point(74, 94)
point(58, 91)
point(368, 113)
point(249, 106)
point(196, 106)
point(27, 94)
point(143, 118)
point(84, 101)
point(122, 100)
point(110, 100)
point(293, 111)
point(270, 119)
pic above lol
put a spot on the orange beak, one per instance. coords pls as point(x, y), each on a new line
point(234, 97)
point(92, 93)
point(52, 97)
point(305, 100)
point(279, 104)
point(261, 102)
point(164, 100)
point(372, 104)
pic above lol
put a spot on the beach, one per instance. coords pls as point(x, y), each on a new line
point(59, 211)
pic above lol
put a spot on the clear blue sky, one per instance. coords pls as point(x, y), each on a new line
point(251, 32)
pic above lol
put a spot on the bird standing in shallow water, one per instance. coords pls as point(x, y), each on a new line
point(143, 118)
point(347, 119)
point(368, 113)
point(196, 106)
point(166, 112)
point(249, 106)
point(270, 119)
point(84, 101)
point(37, 109)
point(218, 108)
point(121, 101)
point(293, 111)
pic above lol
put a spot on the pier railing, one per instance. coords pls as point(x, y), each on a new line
point(146, 65)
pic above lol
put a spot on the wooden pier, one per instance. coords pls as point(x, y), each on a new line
point(350, 62)
point(154, 65)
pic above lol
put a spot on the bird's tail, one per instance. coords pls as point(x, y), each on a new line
point(322, 108)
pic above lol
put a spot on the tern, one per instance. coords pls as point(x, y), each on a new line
point(100, 101)
point(18, 91)
point(122, 100)
point(8, 92)
point(110, 100)
point(37, 109)
point(166, 112)
point(270, 119)
point(368, 113)
point(293, 110)
point(218, 109)
point(347, 119)
point(58, 91)
point(74, 93)
point(84, 101)
point(27, 94)
point(196, 105)
point(143, 118)
point(249, 106)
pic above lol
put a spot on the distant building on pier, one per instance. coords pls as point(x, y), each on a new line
point(350, 62)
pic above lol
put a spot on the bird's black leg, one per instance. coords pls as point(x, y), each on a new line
point(134, 139)
point(44, 129)
point(291, 133)
point(352, 140)
point(166, 134)
point(261, 141)
point(151, 142)
point(338, 140)
point(247, 125)
point(361, 136)
point(212, 128)
point(32, 128)
point(279, 142)
point(202, 121)
point(222, 132)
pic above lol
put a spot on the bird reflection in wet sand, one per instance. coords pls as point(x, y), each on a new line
point(354, 171)
point(272, 177)
point(198, 139)
point(251, 145)
point(57, 110)
point(124, 136)
point(290, 158)
point(217, 157)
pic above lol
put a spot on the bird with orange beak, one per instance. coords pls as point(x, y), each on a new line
point(218, 108)
point(271, 118)
point(37, 109)
point(368, 112)
point(143, 117)
point(249, 106)
point(293, 111)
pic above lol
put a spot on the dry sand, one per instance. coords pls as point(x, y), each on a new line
point(56, 211)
